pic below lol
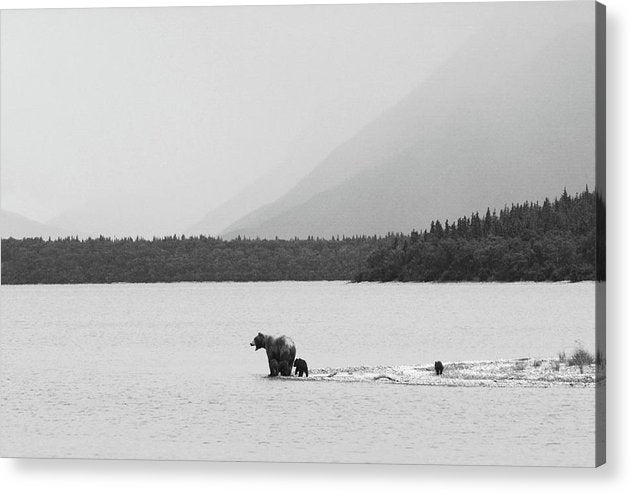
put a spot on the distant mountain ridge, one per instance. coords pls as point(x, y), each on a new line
point(490, 127)
point(13, 225)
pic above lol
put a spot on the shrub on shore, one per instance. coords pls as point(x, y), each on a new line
point(581, 358)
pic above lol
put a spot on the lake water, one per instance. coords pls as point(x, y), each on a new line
point(165, 371)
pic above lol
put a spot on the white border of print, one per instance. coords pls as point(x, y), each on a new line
point(160, 477)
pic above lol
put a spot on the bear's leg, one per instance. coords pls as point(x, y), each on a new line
point(273, 368)
point(284, 369)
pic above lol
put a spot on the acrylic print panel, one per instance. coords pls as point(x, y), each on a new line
point(367, 233)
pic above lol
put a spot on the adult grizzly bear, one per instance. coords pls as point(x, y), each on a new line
point(273, 368)
point(280, 349)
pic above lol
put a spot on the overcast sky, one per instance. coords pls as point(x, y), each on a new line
point(174, 110)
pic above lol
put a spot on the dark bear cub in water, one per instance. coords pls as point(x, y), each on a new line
point(438, 366)
point(301, 367)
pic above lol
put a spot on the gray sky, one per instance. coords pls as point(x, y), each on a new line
point(174, 110)
point(162, 114)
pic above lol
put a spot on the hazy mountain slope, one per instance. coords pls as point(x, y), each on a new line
point(13, 225)
point(250, 198)
point(320, 132)
point(304, 154)
point(127, 216)
point(492, 126)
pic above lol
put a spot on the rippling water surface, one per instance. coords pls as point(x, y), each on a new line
point(166, 371)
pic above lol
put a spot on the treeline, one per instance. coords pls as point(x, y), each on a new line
point(552, 241)
point(179, 258)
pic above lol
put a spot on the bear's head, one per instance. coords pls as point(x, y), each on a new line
point(258, 342)
point(297, 362)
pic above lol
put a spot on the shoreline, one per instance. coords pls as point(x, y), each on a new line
point(509, 373)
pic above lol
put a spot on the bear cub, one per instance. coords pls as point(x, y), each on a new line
point(438, 366)
point(301, 367)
